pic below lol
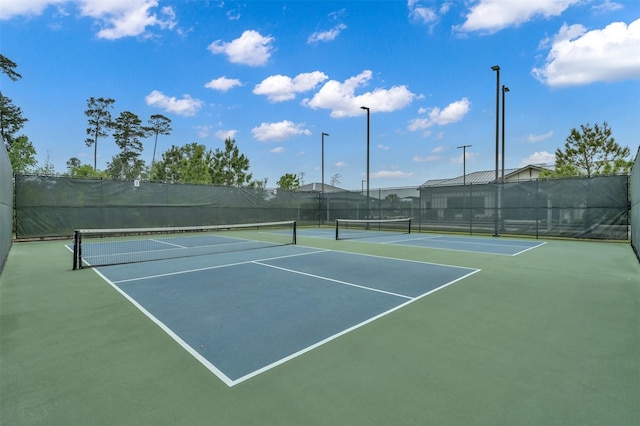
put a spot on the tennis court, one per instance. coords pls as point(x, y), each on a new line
point(401, 235)
point(393, 329)
point(244, 312)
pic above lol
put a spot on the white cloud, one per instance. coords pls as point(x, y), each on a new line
point(567, 32)
point(426, 159)
point(537, 138)
point(277, 150)
point(223, 84)
point(607, 6)
point(539, 158)
point(116, 18)
point(452, 113)
point(203, 131)
point(279, 131)
point(251, 48)
point(11, 8)
point(226, 134)
point(341, 99)
point(341, 164)
point(431, 158)
point(383, 147)
point(279, 88)
point(396, 174)
point(579, 57)
point(187, 106)
point(123, 18)
point(425, 15)
point(326, 36)
point(495, 15)
point(470, 156)
point(233, 15)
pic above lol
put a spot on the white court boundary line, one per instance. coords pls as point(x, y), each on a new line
point(171, 334)
point(231, 382)
point(333, 280)
point(345, 331)
point(167, 243)
point(207, 268)
point(438, 238)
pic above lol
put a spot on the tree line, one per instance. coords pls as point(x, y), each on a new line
point(588, 151)
point(190, 163)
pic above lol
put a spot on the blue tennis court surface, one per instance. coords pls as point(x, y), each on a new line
point(245, 312)
point(487, 245)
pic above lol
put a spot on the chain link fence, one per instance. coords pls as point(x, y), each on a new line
point(593, 208)
point(635, 205)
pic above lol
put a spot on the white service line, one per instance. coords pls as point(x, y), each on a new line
point(167, 243)
point(333, 280)
point(207, 268)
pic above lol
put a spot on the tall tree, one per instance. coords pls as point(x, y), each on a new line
point(47, 169)
point(288, 181)
point(22, 155)
point(127, 132)
point(258, 184)
point(393, 200)
point(591, 151)
point(159, 125)
point(335, 179)
point(11, 121)
point(9, 68)
point(229, 167)
point(186, 164)
point(76, 169)
point(99, 115)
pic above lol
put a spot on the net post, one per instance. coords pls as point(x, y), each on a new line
point(337, 225)
point(76, 250)
point(409, 226)
point(295, 233)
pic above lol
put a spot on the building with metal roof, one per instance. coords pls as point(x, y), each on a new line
point(526, 173)
point(317, 187)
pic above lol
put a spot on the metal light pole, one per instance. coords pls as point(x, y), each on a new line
point(505, 89)
point(496, 68)
point(464, 163)
point(464, 179)
point(322, 189)
point(368, 112)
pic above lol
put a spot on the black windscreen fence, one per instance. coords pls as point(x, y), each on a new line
point(56, 206)
point(6, 205)
point(635, 205)
point(595, 208)
point(592, 208)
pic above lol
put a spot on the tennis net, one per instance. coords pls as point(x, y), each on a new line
point(362, 228)
point(102, 247)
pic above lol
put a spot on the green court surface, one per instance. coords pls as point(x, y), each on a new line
point(548, 337)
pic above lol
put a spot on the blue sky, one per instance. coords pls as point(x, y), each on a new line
point(275, 75)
